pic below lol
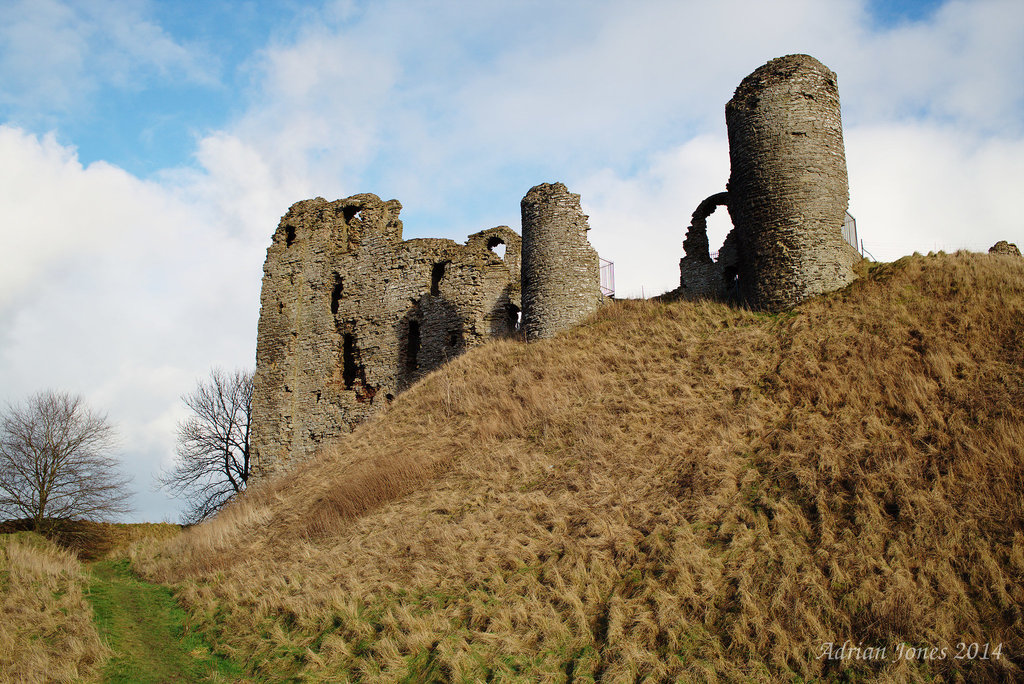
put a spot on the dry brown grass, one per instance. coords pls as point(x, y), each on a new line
point(46, 628)
point(671, 492)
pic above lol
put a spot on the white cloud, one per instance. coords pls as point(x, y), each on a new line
point(964, 66)
point(55, 54)
point(917, 187)
point(119, 289)
point(639, 222)
point(49, 210)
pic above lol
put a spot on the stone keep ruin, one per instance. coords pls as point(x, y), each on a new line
point(351, 314)
point(787, 193)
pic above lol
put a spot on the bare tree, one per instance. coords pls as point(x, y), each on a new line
point(213, 444)
point(55, 462)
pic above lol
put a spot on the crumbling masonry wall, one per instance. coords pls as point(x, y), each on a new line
point(699, 275)
point(1004, 247)
point(351, 314)
point(787, 193)
point(560, 271)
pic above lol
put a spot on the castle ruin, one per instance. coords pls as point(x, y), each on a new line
point(787, 193)
point(351, 314)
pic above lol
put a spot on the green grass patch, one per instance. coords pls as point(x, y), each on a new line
point(144, 626)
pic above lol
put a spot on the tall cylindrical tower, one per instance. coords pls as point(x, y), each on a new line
point(561, 277)
point(788, 188)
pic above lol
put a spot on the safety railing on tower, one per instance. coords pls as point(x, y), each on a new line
point(607, 278)
point(850, 230)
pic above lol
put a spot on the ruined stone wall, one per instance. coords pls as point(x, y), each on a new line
point(788, 189)
point(699, 275)
point(351, 314)
point(560, 270)
point(1004, 247)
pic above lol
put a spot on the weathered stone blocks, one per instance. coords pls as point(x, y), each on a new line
point(1004, 247)
point(560, 270)
point(699, 275)
point(787, 194)
point(788, 189)
point(351, 314)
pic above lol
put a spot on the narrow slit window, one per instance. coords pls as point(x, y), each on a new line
point(412, 349)
point(339, 287)
point(436, 275)
point(349, 367)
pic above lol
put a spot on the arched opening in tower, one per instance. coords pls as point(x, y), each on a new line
point(496, 245)
point(719, 225)
point(701, 233)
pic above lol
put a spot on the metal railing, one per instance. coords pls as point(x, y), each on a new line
point(850, 231)
point(607, 277)
point(849, 234)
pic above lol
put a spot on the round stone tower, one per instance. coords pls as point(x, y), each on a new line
point(561, 277)
point(788, 188)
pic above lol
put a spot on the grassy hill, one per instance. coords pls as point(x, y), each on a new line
point(681, 491)
point(46, 627)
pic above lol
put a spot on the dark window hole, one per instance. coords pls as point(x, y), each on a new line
point(496, 245)
point(513, 317)
point(412, 347)
point(349, 367)
point(339, 286)
point(289, 235)
point(436, 274)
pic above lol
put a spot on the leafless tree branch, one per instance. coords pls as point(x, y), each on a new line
point(213, 444)
point(55, 462)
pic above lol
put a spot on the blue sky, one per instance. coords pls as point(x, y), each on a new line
point(148, 149)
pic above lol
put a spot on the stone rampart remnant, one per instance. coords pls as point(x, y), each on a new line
point(787, 193)
point(560, 270)
point(1004, 247)
point(351, 314)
